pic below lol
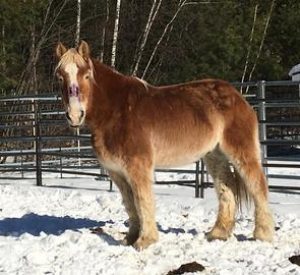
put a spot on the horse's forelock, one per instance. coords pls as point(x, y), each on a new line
point(72, 56)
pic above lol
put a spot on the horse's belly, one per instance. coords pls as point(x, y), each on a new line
point(173, 156)
point(169, 162)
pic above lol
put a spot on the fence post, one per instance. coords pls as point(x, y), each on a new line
point(60, 162)
point(202, 180)
point(262, 118)
point(78, 146)
point(197, 183)
point(38, 163)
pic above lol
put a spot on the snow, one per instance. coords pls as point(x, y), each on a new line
point(294, 73)
point(46, 230)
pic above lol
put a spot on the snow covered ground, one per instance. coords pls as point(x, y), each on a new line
point(46, 230)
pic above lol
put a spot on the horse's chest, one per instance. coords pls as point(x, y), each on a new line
point(107, 157)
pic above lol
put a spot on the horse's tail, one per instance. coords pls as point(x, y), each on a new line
point(241, 194)
point(227, 179)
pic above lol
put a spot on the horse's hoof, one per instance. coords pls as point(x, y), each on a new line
point(143, 243)
point(217, 234)
point(264, 233)
point(130, 239)
point(264, 228)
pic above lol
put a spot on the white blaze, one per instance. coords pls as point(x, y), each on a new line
point(71, 69)
point(74, 108)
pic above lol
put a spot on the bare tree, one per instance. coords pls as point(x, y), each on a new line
point(151, 18)
point(262, 41)
point(180, 6)
point(115, 34)
point(3, 49)
point(249, 45)
point(39, 41)
point(103, 32)
point(77, 36)
point(33, 78)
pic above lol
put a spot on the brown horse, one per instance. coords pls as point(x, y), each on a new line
point(137, 127)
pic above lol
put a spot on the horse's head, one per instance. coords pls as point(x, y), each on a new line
point(75, 74)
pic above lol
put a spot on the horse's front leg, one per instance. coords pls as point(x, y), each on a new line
point(140, 177)
point(128, 200)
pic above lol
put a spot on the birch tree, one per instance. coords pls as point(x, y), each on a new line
point(115, 34)
point(77, 36)
point(181, 5)
point(151, 18)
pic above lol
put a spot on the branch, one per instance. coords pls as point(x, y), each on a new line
point(35, 54)
point(180, 6)
point(152, 15)
point(250, 45)
point(261, 42)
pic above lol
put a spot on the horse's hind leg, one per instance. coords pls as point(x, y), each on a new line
point(224, 182)
point(128, 200)
point(256, 184)
point(244, 153)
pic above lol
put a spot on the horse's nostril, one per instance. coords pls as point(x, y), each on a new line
point(68, 116)
point(81, 114)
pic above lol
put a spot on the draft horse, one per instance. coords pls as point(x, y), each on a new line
point(137, 127)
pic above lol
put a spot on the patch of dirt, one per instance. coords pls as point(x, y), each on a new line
point(295, 259)
point(190, 267)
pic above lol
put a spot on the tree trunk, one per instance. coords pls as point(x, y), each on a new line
point(103, 33)
point(3, 49)
point(249, 46)
point(115, 34)
point(77, 37)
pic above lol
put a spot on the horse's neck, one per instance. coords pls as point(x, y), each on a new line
point(106, 78)
point(106, 93)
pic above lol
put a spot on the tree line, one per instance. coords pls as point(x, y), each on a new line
point(161, 41)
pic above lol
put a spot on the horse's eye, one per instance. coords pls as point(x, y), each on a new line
point(60, 79)
point(86, 76)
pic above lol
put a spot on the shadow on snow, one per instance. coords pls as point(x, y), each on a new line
point(35, 224)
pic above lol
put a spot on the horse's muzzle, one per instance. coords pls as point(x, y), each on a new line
point(75, 120)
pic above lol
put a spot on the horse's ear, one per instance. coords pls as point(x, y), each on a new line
point(60, 50)
point(84, 50)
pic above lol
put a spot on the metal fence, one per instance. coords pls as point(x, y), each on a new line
point(35, 138)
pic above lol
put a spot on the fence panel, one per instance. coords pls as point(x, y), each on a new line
point(35, 137)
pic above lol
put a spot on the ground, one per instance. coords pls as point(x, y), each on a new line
point(46, 230)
